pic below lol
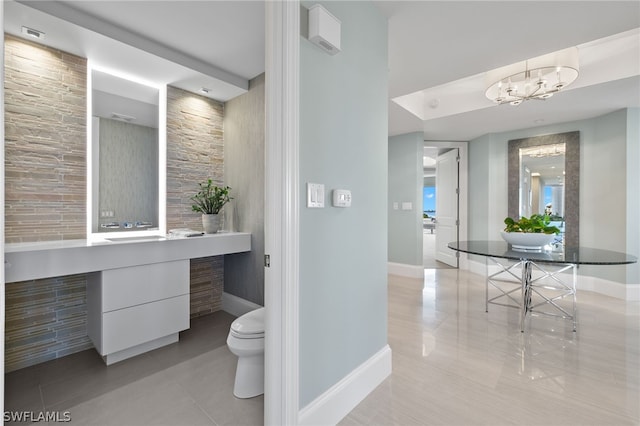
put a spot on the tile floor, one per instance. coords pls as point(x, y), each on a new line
point(189, 383)
point(453, 364)
point(429, 251)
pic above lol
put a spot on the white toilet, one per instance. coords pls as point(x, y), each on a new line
point(246, 340)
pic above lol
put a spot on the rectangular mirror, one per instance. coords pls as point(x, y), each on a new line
point(542, 183)
point(126, 149)
point(544, 178)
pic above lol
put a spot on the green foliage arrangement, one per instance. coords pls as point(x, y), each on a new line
point(210, 198)
point(537, 223)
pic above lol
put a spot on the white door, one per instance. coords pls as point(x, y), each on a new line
point(447, 206)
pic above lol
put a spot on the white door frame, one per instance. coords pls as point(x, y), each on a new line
point(448, 206)
point(463, 183)
point(282, 57)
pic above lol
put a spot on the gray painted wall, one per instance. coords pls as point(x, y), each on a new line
point(244, 130)
point(343, 251)
point(405, 185)
point(608, 186)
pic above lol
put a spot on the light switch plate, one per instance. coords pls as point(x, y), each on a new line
point(315, 195)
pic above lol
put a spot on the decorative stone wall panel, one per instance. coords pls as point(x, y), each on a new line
point(45, 190)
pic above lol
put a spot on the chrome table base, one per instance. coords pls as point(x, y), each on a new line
point(540, 286)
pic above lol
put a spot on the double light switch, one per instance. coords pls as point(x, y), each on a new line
point(315, 195)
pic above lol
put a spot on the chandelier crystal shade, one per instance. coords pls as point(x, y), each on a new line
point(537, 78)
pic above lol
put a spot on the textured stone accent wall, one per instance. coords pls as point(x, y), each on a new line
point(206, 279)
point(45, 143)
point(195, 152)
point(45, 319)
point(45, 190)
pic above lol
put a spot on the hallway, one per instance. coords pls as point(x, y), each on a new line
point(455, 364)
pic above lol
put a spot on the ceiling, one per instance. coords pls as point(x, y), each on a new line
point(220, 45)
point(433, 43)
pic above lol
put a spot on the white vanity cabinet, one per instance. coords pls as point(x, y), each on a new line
point(136, 309)
point(137, 289)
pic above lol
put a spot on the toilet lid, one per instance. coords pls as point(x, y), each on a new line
point(250, 323)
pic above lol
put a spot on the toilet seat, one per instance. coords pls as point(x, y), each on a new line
point(246, 336)
point(249, 325)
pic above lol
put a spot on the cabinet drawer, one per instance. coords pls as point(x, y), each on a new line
point(136, 285)
point(129, 327)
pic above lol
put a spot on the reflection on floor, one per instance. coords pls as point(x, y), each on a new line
point(187, 383)
point(429, 251)
point(454, 364)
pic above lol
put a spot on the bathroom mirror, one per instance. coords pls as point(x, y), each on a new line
point(544, 178)
point(126, 145)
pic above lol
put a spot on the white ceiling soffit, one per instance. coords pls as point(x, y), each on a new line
point(609, 59)
point(111, 47)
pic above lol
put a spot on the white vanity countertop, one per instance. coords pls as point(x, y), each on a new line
point(29, 261)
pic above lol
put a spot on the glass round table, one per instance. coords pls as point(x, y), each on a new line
point(540, 275)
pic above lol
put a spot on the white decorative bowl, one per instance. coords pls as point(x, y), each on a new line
point(527, 240)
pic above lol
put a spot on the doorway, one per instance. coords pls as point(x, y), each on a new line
point(448, 224)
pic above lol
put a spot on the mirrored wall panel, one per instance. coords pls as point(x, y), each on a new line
point(544, 178)
point(125, 150)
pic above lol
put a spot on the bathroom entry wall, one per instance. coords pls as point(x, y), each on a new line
point(45, 190)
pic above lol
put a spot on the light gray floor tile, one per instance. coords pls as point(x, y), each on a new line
point(187, 383)
point(453, 364)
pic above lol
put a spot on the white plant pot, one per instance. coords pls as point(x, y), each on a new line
point(527, 240)
point(210, 223)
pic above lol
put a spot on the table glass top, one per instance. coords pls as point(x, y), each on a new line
point(574, 255)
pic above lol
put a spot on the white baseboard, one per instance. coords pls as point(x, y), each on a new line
point(334, 404)
point(237, 306)
point(404, 270)
point(629, 292)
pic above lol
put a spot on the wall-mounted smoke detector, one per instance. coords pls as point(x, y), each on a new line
point(33, 33)
point(324, 29)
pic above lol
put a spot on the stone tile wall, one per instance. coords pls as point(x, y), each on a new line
point(45, 184)
point(206, 278)
point(45, 319)
point(195, 152)
point(45, 143)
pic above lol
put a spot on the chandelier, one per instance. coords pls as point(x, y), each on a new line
point(537, 78)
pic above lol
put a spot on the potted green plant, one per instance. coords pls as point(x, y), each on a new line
point(529, 233)
point(209, 200)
